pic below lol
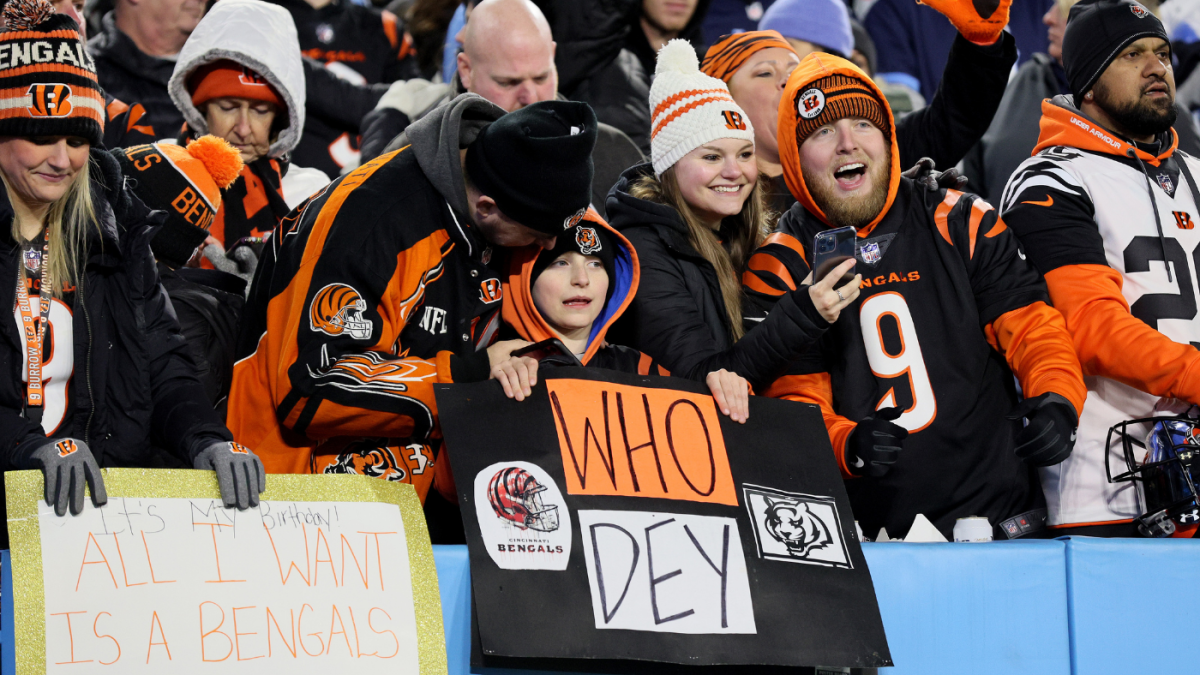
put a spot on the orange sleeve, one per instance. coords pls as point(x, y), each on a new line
point(1035, 342)
point(1113, 343)
point(817, 389)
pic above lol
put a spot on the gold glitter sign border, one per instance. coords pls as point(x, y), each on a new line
point(25, 488)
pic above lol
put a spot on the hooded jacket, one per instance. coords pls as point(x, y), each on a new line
point(261, 37)
point(372, 292)
point(129, 74)
point(522, 315)
point(134, 389)
point(1097, 216)
point(678, 317)
point(949, 311)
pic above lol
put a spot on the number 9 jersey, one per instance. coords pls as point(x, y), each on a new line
point(1101, 219)
point(949, 311)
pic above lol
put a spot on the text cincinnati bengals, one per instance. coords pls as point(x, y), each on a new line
point(528, 548)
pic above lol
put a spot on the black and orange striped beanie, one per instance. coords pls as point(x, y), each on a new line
point(835, 97)
point(731, 52)
point(48, 84)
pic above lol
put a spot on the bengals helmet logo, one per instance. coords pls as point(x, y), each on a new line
point(490, 291)
point(369, 457)
point(49, 100)
point(810, 103)
point(249, 77)
point(733, 120)
point(587, 240)
point(338, 309)
point(66, 447)
point(573, 220)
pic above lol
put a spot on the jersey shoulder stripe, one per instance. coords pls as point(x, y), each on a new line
point(1043, 171)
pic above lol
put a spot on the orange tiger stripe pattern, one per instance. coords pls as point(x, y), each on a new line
point(724, 58)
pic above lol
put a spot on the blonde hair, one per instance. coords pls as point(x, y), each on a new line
point(727, 258)
point(67, 222)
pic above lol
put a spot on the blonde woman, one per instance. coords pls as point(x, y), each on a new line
point(695, 216)
point(96, 372)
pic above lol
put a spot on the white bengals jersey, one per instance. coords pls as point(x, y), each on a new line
point(1085, 216)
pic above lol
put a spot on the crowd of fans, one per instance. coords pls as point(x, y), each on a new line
point(250, 236)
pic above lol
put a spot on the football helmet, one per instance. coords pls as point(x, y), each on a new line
point(338, 309)
point(516, 496)
point(1166, 474)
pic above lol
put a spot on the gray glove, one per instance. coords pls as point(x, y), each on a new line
point(66, 463)
point(240, 473)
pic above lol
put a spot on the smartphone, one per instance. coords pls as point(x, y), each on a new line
point(832, 248)
point(550, 352)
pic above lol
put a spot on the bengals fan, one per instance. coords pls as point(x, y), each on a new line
point(1106, 209)
point(916, 377)
point(379, 287)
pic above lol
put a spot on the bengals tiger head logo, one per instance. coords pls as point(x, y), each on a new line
point(587, 240)
point(368, 457)
point(1139, 11)
point(49, 100)
point(573, 219)
point(337, 309)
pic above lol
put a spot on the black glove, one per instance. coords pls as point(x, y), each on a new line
point(240, 472)
point(875, 444)
point(66, 464)
point(1049, 436)
point(924, 174)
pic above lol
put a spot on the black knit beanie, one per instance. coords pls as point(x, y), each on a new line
point(586, 238)
point(536, 163)
point(1097, 30)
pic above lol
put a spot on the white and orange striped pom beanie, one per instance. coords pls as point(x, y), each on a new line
point(689, 108)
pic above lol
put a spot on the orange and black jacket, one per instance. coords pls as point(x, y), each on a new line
point(373, 291)
point(521, 315)
point(949, 312)
point(1057, 226)
point(127, 124)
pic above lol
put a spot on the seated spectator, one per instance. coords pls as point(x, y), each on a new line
point(1099, 208)
point(239, 77)
point(507, 58)
point(726, 17)
point(358, 43)
point(695, 215)
point(591, 274)
point(135, 55)
point(1014, 130)
point(811, 26)
point(756, 67)
point(380, 289)
point(72, 224)
point(656, 22)
point(949, 312)
point(913, 39)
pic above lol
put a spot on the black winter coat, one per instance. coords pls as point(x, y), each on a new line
point(132, 76)
point(135, 386)
point(678, 315)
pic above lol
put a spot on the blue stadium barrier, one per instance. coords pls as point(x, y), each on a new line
point(1132, 609)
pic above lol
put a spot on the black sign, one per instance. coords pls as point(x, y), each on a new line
point(617, 517)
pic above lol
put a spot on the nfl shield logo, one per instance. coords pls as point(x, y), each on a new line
point(1164, 181)
point(33, 259)
point(870, 253)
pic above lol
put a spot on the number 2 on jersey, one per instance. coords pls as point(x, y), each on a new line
point(908, 362)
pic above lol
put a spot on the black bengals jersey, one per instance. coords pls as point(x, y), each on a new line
point(946, 297)
point(363, 45)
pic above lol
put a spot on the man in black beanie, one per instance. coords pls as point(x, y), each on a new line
point(1106, 209)
point(380, 287)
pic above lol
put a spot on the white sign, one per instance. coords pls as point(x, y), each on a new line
point(523, 519)
point(187, 586)
point(666, 572)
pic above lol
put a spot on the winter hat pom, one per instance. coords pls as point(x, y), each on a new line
point(677, 56)
point(25, 14)
point(222, 160)
point(689, 108)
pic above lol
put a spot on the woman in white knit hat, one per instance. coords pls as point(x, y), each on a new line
point(695, 215)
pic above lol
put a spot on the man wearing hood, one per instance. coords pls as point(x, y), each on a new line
point(1106, 210)
point(379, 287)
point(949, 311)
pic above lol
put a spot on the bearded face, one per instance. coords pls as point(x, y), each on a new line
point(1137, 90)
point(847, 169)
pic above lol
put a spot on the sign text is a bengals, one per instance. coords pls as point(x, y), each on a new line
point(616, 518)
point(327, 574)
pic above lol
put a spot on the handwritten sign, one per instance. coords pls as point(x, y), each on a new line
point(180, 584)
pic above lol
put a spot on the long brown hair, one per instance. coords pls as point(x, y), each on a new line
point(728, 259)
point(67, 222)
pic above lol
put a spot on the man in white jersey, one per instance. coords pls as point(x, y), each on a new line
point(1106, 209)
